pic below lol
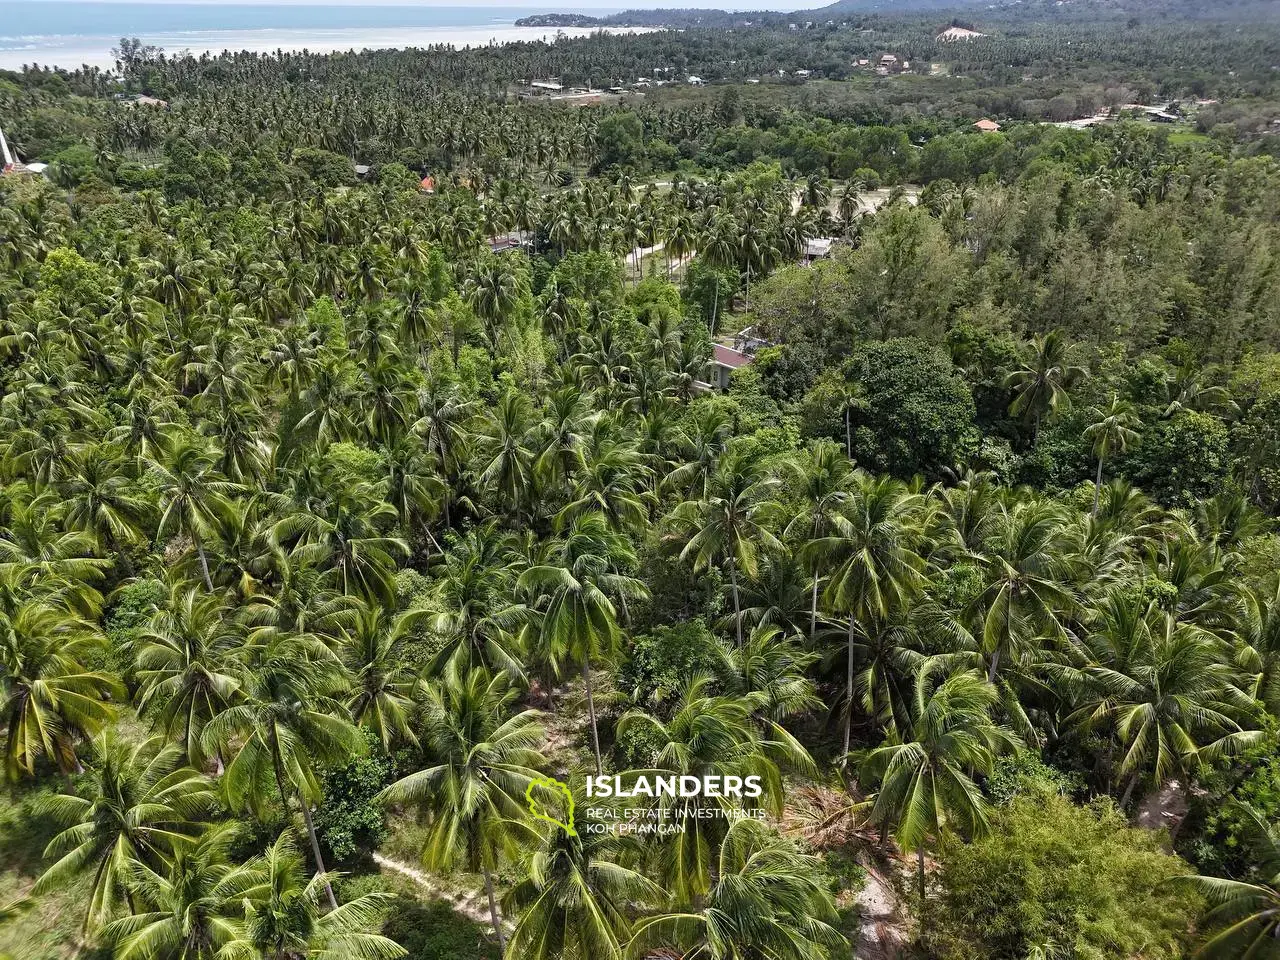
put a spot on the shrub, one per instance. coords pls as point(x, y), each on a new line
point(349, 823)
point(1055, 876)
point(435, 931)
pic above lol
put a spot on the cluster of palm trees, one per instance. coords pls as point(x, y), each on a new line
point(452, 100)
point(964, 620)
point(358, 483)
point(377, 245)
point(144, 835)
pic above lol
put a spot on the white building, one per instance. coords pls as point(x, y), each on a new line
point(817, 248)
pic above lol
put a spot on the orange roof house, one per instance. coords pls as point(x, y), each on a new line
point(987, 126)
point(428, 184)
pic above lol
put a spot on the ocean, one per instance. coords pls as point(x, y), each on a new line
point(71, 33)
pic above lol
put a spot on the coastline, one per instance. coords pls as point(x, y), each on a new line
point(73, 51)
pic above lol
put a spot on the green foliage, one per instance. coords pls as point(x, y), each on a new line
point(1024, 774)
point(1055, 876)
point(619, 140)
point(661, 661)
point(130, 612)
point(324, 167)
point(1218, 835)
point(1181, 461)
point(919, 412)
point(350, 824)
point(436, 932)
point(399, 489)
point(708, 289)
point(844, 873)
point(74, 165)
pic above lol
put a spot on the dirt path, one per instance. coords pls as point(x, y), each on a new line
point(1165, 808)
point(881, 931)
point(470, 905)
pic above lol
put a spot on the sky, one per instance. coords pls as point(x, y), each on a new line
point(540, 5)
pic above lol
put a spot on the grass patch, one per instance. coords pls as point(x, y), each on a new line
point(434, 931)
point(48, 928)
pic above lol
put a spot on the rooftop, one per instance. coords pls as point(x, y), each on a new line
point(728, 357)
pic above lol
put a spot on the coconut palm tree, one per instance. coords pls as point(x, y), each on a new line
point(48, 697)
point(1164, 688)
point(575, 585)
point(479, 617)
point(924, 778)
point(1243, 916)
point(493, 291)
point(823, 481)
point(144, 807)
point(1110, 434)
point(192, 910)
point(383, 681)
point(186, 666)
point(878, 567)
point(287, 725)
point(345, 534)
point(284, 918)
point(33, 539)
point(506, 457)
point(1041, 385)
point(1024, 599)
point(102, 501)
point(770, 668)
point(482, 758)
point(768, 900)
point(710, 735)
point(577, 899)
point(726, 526)
point(1258, 641)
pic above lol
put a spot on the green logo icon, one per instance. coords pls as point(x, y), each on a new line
point(551, 797)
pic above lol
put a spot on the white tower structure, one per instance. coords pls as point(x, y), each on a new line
point(9, 160)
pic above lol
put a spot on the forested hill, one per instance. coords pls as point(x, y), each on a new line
point(1022, 10)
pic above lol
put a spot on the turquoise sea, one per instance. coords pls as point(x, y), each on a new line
point(69, 33)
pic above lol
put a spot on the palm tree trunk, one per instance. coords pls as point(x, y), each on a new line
point(126, 566)
point(920, 877)
point(591, 711)
point(278, 768)
point(813, 608)
point(204, 564)
point(1097, 487)
point(494, 917)
point(737, 607)
point(1128, 790)
point(848, 432)
point(848, 688)
point(315, 849)
point(995, 663)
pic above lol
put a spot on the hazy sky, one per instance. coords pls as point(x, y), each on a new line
point(532, 4)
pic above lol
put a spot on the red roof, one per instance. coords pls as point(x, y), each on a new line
point(728, 357)
point(428, 184)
